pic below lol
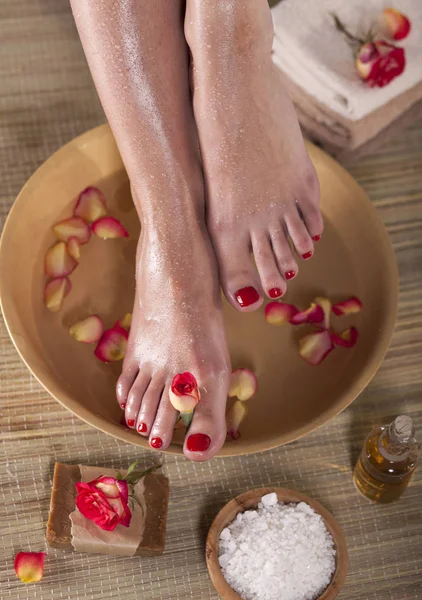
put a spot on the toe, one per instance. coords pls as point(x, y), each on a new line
point(125, 383)
point(312, 218)
point(271, 280)
point(135, 397)
point(150, 400)
point(165, 420)
point(299, 234)
point(283, 253)
point(238, 277)
point(207, 432)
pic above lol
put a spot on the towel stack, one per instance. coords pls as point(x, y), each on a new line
point(335, 107)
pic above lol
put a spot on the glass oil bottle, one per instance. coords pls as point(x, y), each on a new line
point(387, 461)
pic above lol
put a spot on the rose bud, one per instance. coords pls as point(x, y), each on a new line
point(395, 24)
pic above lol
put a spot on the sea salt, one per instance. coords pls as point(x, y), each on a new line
point(277, 552)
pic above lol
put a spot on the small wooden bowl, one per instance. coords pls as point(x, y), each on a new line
point(250, 500)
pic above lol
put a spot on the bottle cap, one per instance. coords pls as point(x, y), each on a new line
point(403, 427)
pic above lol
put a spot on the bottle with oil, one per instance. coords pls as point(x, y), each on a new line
point(388, 460)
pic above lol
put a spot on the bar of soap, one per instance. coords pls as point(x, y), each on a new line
point(156, 493)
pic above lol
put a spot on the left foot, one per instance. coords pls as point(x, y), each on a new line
point(261, 186)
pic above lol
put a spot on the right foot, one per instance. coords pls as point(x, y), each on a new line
point(177, 326)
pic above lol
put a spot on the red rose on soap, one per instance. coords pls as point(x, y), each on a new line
point(379, 62)
point(104, 501)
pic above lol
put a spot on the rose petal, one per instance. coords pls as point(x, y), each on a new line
point(313, 314)
point(315, 346)
point(348, 307)
point(279, 313)
point(126, 517)
point(125, 322)
point(75, 227)
point(184, 404)
point(55, 292)
point(73, 248)
point(29, 566)
point(88, 331)
point(234, 417)
point(109, 228)
point(396, 24)
point(243, 384)
point(91, 205)
point(185, 384)
point(123, 489)
point(325, 304)
point(112, 345)
point(58, 262)
point(108, 486)
point(347, 338)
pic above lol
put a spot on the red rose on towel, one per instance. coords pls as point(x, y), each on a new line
point(379, 62)
point(104, 501)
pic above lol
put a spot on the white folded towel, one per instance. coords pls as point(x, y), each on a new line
point(317, 57)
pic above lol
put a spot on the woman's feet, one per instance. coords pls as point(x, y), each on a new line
point(260, 183)
point(177, 326)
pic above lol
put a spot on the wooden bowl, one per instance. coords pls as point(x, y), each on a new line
point(250, 500)
point(354, 257)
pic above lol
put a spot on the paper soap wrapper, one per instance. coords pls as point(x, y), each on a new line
point(144, 537)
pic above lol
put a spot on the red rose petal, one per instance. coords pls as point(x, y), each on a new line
point(73, 248)
point(325, 304)
point(125, 322)
point(88, 331)
point(109, 228)
point(279, 313)
point(112, 345)
point(75, 227)
point(348, 307)
point(234, 417)
point(91, 205)
point(347, 338)
point(58, 262)
point(315, 346)
point(29, 566)
point(55, 292)
point(313, 314)
point(396, 24)
point(243, 384)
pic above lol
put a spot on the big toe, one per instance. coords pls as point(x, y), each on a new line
point(207, 432)
point(238, 277)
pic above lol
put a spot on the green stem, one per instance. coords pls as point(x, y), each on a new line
point(340, 27)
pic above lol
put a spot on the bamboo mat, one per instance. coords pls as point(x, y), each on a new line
point(47, 98)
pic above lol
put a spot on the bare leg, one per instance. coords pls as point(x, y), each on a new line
point(261, 186)
point(139, 60)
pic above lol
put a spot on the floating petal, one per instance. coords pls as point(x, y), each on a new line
point(88, 331)
point(243, 384)
point(315, 346)
point(279, 313)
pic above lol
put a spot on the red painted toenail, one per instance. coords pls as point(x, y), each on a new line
point(131, 422)
point(307, 255)
point(123, 405)
point(275, 293)
point(198, 442)
point(316, 238)
point(156, 442)
point(247, 296)
point(289, 274)
point(142, 428)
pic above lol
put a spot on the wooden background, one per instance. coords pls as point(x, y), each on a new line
point(47, 98)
